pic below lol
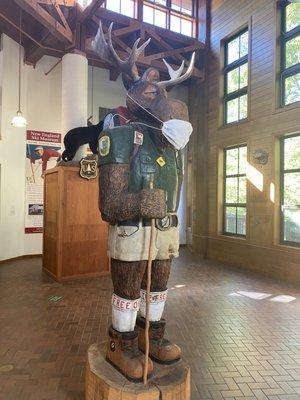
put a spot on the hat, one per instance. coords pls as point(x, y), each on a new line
point(39, 148)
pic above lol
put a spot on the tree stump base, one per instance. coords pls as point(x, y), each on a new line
point(104, 382)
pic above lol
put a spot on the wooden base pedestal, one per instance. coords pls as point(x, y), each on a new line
point(104, 382)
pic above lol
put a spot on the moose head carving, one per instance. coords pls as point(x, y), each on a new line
point(147, 96)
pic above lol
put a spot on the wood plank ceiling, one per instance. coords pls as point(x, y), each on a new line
point(56, 27)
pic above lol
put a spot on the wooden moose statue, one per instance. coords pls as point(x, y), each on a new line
point(141, 170)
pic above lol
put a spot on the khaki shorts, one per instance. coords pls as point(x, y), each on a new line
point(131, 243)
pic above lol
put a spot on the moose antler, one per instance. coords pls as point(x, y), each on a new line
point(175, 75)
point(107, 52)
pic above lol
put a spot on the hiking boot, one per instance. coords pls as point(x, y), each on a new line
point(160, 349)
point(124, 354)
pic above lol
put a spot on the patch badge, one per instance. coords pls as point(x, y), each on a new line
point(160, 161)
point(138, 138)
point(88, 168)
point(104, 145)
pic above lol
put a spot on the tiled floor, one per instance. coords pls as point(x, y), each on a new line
point(241, 339)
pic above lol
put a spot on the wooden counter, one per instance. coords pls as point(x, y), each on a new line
point(75, 237)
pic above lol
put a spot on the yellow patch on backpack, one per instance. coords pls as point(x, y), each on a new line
point(104, 145)
point(160, 161)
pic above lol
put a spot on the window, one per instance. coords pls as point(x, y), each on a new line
point(236, 78)
point(183, 6)
point(290, 190)
point(290, 53)
point(235, 190)
point(155, 16)
point(176, 15)
point(125, 7)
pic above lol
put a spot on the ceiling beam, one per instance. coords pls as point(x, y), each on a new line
point(61, 16)
point(173, 52)
point(66, 3)
point(142, 62)
point(35, 52)
point(42, 16)
point(90, 10)
point(48, 50)
point(134, 26)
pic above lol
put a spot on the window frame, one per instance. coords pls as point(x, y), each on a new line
point(172, 12)
point(119, 12)
point(282, 206)
point(230, 67)
point(236, 205)
point(284, 38)
point(169, 11)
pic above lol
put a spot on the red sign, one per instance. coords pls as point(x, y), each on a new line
point(44, 136)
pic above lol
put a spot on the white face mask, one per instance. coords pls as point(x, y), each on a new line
point(177, 132)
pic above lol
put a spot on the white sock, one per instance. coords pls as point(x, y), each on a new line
point(124, 313)
point(157, 304)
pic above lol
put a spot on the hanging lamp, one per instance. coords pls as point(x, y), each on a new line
point(18, 120)
point(90, 118)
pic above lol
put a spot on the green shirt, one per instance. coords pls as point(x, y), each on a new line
point(132, 144)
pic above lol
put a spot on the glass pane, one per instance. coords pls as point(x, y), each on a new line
point(113, 5)
point(243, 159)
point(233, 50)
point(242, 190)
point(244, 44)
point(232, 110)
point(162, 2)
point(241, 221)
point(176, 5)
point(292, 52)
point(175, 23)
point(186, 27)
point(292, 16)
point(292, 225)
point(292, 153)
point(187, 6)
point(243, 75)
point(160, 18)
point(292, 188)
point(127, 8)
point(243, 106)
point(233, 80)
point(230, 219)
point(231, 190)
point(148, 15)
point(292, 89)
point(232, 161)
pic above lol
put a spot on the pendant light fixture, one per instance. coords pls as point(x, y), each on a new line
point(18, 120)
point(90, 119)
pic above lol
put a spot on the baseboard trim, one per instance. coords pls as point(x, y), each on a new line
point(20, 258)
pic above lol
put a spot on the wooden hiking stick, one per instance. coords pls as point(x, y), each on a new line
point(149, 267)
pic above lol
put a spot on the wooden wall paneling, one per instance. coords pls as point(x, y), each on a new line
point(261, 250)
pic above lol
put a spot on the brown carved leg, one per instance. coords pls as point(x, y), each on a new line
point(122, 350)
point(160, 273)
point(127, 278)
point(161, 349)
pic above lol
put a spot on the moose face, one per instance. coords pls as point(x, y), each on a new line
point(150, 102)
point(147, 96)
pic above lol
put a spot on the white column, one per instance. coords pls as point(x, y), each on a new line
point(74, 95)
